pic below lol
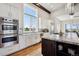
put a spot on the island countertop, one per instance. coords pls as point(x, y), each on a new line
point(62, 39)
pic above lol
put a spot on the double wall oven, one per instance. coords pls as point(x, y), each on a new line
point(8, 32)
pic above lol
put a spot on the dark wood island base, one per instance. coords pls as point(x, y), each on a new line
point(56, 48)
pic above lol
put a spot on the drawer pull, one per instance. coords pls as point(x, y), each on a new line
point(70, 51)
point(60, 47)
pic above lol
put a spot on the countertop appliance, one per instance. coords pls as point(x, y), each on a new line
point(8, 32)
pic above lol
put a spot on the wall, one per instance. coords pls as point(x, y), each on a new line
point(56, 22)
point(44, 19)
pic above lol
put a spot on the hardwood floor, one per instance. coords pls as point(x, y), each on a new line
point(27, 51)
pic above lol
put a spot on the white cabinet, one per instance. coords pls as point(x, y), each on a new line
point(22, 41)
point(4, 10)
point(9, 50)
point(7, 10)
point(30, 38)
point(35, 38)
point(14, 13)
point(27, 40)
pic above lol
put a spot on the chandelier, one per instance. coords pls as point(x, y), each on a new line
point(70, 8)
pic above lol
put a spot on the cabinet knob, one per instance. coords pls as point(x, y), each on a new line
point(60, 47)
point(70, 51)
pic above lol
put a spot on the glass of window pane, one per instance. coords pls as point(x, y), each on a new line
point(26, 23)
point(30, 11)
point(34, 23)
point(67, 27)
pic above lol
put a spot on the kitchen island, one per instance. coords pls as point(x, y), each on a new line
point(53, 46)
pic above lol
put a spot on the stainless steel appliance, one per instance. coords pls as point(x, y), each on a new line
point(8, 32)
point(8, 26)
point(8, 40)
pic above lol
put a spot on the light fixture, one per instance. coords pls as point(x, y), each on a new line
point(70, 9)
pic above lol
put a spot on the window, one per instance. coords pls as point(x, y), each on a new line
point(67, 27)
point(72, 27)
point(26, 22)
point(30, 19)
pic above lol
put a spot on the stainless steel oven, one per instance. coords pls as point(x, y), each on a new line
point(8, 40)
point(8, 26)
point(8, 32)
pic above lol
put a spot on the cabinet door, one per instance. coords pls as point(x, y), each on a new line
point(27, 41)
point(38, 39)
point(53, 48)
point(14, 12)
point(22, 41)
point(33, 39)
point(4, 10)
point(72, 49)
point(46, 47)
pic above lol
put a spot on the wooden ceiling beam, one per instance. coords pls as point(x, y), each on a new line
point(41, 7)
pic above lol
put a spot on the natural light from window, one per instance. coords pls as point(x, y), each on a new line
point(30, 19)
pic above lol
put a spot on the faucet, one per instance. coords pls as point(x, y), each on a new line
point(77, 34)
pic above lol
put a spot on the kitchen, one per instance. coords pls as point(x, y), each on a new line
point(51, 26)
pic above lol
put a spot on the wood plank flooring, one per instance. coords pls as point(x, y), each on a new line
point(27, 51)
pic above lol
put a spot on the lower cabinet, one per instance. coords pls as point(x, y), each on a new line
point(48, 47)
point(62, 49)
point(55, 48)
point(67, 49)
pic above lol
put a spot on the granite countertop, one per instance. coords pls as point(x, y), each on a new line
point(62, 39)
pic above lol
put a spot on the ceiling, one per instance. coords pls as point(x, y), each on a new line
point(52, 6)
point(59, 10)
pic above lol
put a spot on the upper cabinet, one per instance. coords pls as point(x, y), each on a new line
point(4, 10)
point(8, 10)
point(14, 13)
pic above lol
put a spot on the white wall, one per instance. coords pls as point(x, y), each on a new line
point(44, 19)
point(56, 23)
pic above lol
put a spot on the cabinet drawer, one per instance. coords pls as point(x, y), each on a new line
point(72, 49)
point(62, 47)
point(69, 49)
